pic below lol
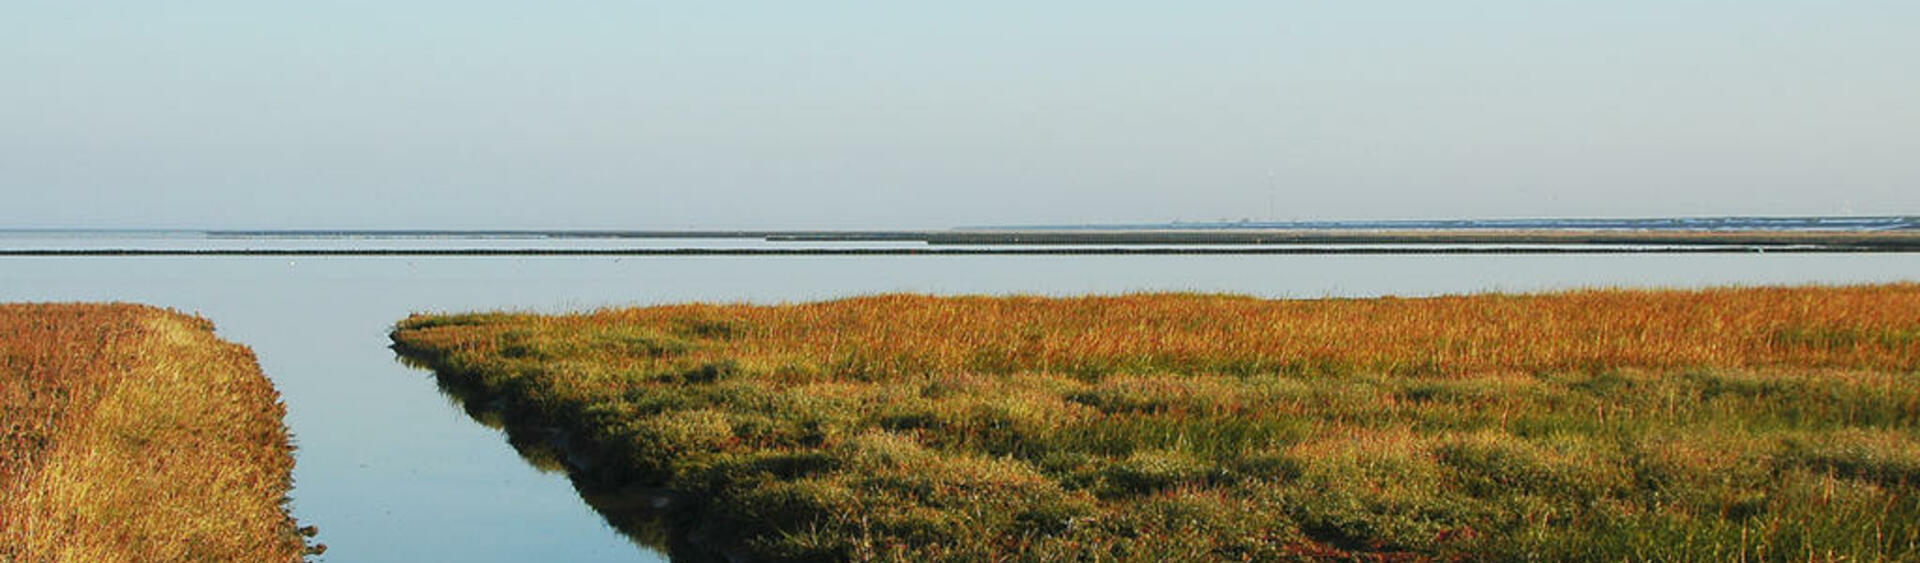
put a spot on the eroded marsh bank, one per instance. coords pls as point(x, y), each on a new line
point(134, 434)
point(1769, 422)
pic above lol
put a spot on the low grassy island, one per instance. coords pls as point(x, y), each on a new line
point(134, 434)
point(1763, 423)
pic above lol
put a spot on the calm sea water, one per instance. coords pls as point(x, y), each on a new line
point(391, 470)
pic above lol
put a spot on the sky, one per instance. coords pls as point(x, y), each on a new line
point(838, 114)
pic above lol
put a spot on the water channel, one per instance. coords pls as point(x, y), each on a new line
point(393, 470)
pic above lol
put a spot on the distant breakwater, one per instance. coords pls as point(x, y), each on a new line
point(935, 251)
point(1017, 242)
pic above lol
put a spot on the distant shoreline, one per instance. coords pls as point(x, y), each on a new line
point(1552, 236)
point(1815, 224)
point(931, 251)
point(1715, 223)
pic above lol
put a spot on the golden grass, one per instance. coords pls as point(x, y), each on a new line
point(1766, 423)
point(134, 434)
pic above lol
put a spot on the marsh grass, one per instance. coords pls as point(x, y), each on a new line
point(133, 434)
point(1743, 423)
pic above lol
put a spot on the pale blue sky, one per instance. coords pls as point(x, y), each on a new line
point(579, 114)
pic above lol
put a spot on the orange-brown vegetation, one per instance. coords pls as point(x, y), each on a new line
point(894, 335)
point(1773, 423)
point(134, 434)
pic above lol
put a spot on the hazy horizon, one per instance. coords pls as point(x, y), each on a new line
point(579, 115)
point(1250, 223)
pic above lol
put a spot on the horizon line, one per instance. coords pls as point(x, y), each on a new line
point(1910, 221)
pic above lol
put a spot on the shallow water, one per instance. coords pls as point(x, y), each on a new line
point(391, 470)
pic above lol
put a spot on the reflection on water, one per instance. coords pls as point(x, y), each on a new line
point(639, 513)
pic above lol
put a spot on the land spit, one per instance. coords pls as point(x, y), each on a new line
point(1725, 423)
point(134, 434)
